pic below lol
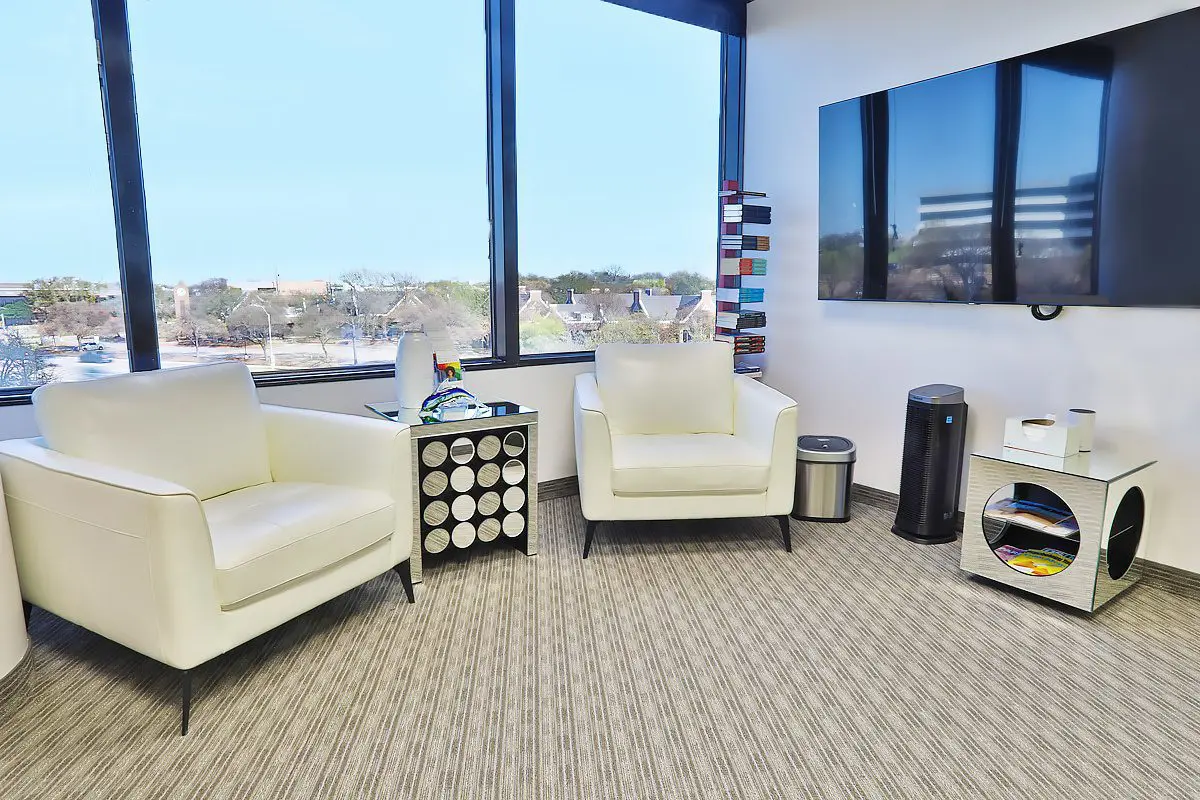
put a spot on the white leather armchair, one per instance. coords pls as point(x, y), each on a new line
point(670, 432)
point(170, 512)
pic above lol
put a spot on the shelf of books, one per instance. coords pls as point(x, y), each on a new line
point(740, 317)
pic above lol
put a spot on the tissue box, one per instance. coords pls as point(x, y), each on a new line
point(1044, 435)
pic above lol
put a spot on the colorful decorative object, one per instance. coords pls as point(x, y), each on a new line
point(450, 403)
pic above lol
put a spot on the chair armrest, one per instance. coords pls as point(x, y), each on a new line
point(757, 409)
point(125, 555)
point(768, 419)
point(346, 450)
point(587, 393)
point(593, 448)
point(34, 453)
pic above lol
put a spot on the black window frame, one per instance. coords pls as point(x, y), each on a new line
point(116, 74)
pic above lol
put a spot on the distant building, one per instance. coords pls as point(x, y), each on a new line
point(313, 287)
point(531, 304)
point(1046, 214)
point(14, 303)
point(183, 301)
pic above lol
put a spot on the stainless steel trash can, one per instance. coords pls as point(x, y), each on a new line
point(824, 474)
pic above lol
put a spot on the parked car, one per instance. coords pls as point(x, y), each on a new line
point(89, 347)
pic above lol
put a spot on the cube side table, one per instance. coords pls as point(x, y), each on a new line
point(1082, 550)
point(474, 479)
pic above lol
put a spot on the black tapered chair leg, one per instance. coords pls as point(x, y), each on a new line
point(27, 607)
point(404, 570)
point(185, 680)
point(587, 539)
point(786, 526)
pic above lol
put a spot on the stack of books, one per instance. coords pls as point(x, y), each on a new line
point(738, 320)
point(740, 207)
point(745, 214)
point(744, 343)
point(737, 241)
point(742, 294)
point(743, 266)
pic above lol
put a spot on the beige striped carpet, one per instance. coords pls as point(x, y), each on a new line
point(680, 661)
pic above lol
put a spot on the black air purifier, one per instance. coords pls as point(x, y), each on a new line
point(934, 437)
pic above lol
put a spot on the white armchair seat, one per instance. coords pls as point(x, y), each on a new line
point(173, 513)
point(687, 464)
point(670, 432)
point(266, 536)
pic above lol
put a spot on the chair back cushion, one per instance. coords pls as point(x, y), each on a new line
point(666, 388)
point(200, 427)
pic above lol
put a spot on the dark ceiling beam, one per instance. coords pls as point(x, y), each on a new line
point(726, 16)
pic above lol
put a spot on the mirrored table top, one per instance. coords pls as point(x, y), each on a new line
point(1098, 466)
point(501, 408)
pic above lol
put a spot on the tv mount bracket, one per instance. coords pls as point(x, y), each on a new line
point(1045, 313)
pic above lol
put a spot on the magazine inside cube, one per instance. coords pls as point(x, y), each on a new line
point(1031, 529)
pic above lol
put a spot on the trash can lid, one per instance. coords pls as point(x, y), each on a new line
point(833, 449)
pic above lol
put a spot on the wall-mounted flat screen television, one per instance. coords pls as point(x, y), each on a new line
point(1069, 176)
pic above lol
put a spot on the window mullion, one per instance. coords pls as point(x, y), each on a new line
point(502, 179)
point(125, 167)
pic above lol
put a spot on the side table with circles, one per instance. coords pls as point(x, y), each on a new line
point(474, 479)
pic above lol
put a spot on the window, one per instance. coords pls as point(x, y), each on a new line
point(941, 169)
point(61, 313)
point(317, 182)
point(293, 186)
point(617, 175)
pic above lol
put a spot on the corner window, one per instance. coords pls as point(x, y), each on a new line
point(61, 311)
point(292, 188)
point(617, 129)
point(316, 182)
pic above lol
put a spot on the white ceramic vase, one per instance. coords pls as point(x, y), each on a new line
point(414, 369)
point(1085, 420)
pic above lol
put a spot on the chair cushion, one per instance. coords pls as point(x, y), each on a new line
point(199, 427)
point(698, 463)
point(267, 535)
point(666, 388)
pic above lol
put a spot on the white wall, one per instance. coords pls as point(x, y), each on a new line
point(850, 365)
point(548, 389)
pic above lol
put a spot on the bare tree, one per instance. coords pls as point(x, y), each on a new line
point(195, 330)
point(254, 321)
point(21, 364)
point(323, 324)
point(80, 318)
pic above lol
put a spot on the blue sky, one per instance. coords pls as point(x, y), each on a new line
point(943, 142)
point(310, 137)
